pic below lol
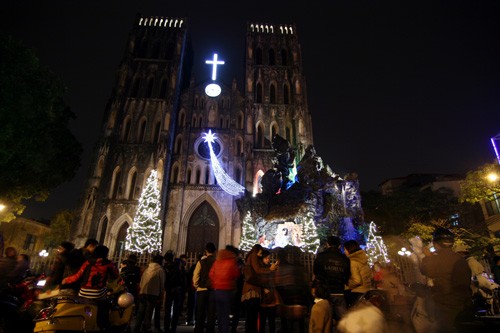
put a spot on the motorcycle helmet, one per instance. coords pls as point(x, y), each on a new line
point(125, 300)
point(444, 237)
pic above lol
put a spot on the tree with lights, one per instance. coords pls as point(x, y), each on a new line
point(248, 233)
point(375, 246)
point(145, 234)
point(310, 234)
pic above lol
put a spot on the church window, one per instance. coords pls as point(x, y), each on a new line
point(178, 145)
point(194, 120)
point(156, 50)
point(149, 92)
point(239, 147)
point(126, 129)
point(175, 175)
point(260, 137)
point(274, 130)
point(104, 228)
point(200, 121)
point(237, 175)
point(284, 58)
point(170, 51)
point(297, 87)
point(134, 92)
point(207, 175)
point(198, 175)
point(196, 102)
point(258, 56)
point(227, 122)
point(131, 185)
point(163, 88)
point(188, 176)
point(272, 94)
point(272, 57)
point(202, 103)
point(120, 239)
point(221, 122)
point(115, 183)
point(182, 119)
point(156, 134)
point(259, 92)
point(240, 121)
point(142, 131)
point(286, 94)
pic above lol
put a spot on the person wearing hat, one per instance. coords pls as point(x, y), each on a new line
point(451, 277)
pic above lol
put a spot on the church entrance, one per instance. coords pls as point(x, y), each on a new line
point(203, 228)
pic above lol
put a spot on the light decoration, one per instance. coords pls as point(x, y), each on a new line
point(310, 234)
point(223, 179)
point(43, 253)
point(404, 252)
point(248, 233)
point(375, 246)
point(213, 89)
point(145, 234)
point(494, 141)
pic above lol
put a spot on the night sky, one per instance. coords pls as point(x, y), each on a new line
point(394, 87)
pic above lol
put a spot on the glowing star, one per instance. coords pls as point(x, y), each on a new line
point(223, 179)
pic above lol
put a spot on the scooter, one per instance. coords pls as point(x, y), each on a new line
point(74, 313)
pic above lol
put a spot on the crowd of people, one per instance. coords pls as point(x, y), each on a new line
point(345, 293)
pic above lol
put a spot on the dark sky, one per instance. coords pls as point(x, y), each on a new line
point(394, 87)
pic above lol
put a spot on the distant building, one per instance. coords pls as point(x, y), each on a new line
point(491, 212)
point(26, 235)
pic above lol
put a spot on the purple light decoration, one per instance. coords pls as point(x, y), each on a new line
point(494, 140)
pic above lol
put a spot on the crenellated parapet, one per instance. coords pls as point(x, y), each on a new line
point(284, 29)
point(159, 21)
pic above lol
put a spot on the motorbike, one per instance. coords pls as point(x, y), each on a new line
point(486, 298)
point(78, 314)
point(19, 304)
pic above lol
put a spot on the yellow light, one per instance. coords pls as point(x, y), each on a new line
point(2, 207)
point(492, 177)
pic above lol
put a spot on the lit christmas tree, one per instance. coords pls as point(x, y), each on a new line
point(375, 246)
point(310, 234)
point(248, 233)
point(145, 234)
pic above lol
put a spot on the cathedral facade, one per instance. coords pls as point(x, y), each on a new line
point(157, 116)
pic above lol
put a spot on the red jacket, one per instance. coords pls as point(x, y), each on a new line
point(224, 272)
point(98, 275)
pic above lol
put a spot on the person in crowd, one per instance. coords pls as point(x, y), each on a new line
point(361, 277)
point(23, 269)
point(236, 302)
point(451, 277)
point(191, 292)
point(76, 258)
point(131, 275)
point(332, 269)
point(496, 269)
point(269, 297)
point(251, 292)
point(174, 291)
point(475, 266)
point(151, 290)
point(8, 267)
point(365, 316)
point(60, 269)
point(223, 276)
point(292, 284)
point(94, 275)
point(320, 320)
point(205, 304)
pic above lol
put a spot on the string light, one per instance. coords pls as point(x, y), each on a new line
point(145, 233)
point(375, 246)
point(223, 179)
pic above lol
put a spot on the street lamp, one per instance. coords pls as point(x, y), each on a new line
point(492, 177)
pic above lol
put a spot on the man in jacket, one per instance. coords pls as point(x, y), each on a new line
point(151, 289)
point(332, 270)
point(205, 304)
point(451, 277)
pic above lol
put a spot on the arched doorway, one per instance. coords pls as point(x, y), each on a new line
point(120, 239)
point(203, 228)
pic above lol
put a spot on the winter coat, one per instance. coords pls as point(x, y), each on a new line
point(321, 317)
point(96, 276)
point(224, 272)
point(254, 261)
point(152, 280)
point(332, 269)
point(361, 277)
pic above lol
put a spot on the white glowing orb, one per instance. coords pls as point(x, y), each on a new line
point(213, 90)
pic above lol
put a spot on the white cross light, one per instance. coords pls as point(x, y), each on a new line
point(214, 64)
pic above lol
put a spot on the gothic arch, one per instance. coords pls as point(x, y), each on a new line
point(116, 231)
point(274, 129)
point(127, 123)
point(103, 227)
point(114, 190)
point(131, 184)
point(256, 182)
point(260, 137)
point(204, 200)
point(141, 130)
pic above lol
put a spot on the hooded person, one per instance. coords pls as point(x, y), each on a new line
point(361, 277)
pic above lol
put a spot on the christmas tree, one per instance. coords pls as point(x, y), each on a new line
point(310, 234)
point(145, 233)
point(248, 233)
point(375, 246)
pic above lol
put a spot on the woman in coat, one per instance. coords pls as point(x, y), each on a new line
point(361, 277)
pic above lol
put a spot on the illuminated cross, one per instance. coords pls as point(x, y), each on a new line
point(214, 64)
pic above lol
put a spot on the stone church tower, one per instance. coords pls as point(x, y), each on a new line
point(157, 116)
